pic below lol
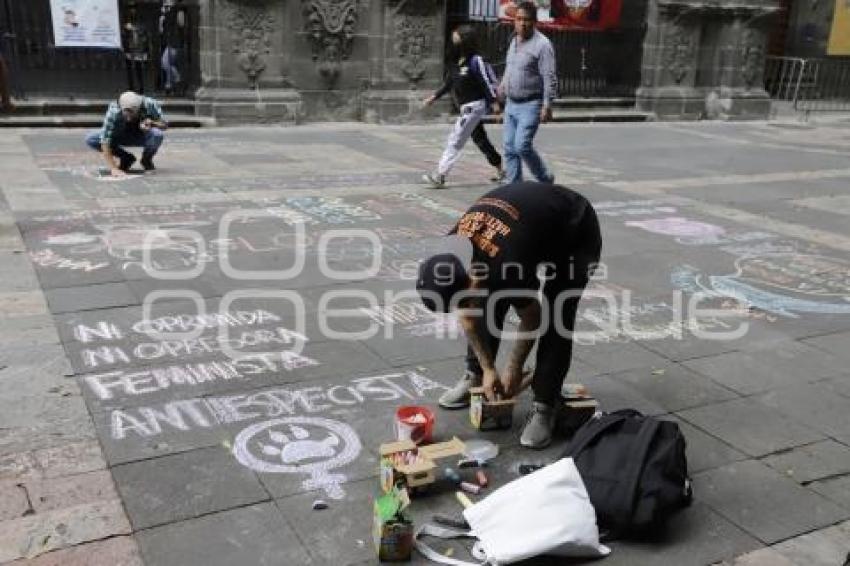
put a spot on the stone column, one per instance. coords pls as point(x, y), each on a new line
point(245, 59)
point(407, 56)
point(670, 57)
point(739, 91)
point(705, 59)
point(331, 56)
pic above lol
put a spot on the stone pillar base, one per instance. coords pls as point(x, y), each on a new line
point(242, 106)
point(400, 106)
point(672, 103)
point(737, 104)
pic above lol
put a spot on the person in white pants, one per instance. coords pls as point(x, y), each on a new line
point(473, 87)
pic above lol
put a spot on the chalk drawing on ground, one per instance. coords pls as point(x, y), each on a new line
point(785, 284)
point(287, 446)
point(683, 229)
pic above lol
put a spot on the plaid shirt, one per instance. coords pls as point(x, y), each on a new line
point(114, 119)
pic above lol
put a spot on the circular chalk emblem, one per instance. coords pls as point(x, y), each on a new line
point(300, 445)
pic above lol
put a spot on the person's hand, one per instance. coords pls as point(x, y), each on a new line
point(429, 101)
point(511, 380)
point(497, 109)
point(116, 172)
point(545, 114)
point(492, 384)
point(146, 124)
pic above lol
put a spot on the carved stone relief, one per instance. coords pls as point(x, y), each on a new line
point(414, 36)
point(251, 25)
point(679, 53)
point(752, 57)
point(331, 25)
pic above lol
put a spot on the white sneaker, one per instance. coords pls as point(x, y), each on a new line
point(436, 181)
point(458, 396)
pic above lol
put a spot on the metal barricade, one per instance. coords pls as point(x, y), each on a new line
point(811, 85)
point(824, 86)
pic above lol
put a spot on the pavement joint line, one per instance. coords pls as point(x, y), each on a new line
point(202, 515)
point(654, 186)
point(760, 143)
point(822, 237)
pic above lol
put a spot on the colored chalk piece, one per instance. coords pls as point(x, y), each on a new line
point(463, 499)
point(451, 475)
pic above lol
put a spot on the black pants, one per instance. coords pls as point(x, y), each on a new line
point(479, 136)
point(562, 294)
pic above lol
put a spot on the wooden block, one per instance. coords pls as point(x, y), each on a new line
point(453, 447)
point(489, 415)
point(575, 413)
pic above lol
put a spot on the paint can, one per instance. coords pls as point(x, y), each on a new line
point(414, 423)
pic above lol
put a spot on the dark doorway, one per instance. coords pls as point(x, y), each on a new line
point(590, 63)
point(38, 68)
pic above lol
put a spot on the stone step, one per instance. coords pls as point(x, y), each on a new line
point(576, 102)
point(591, 115)
point(65, 107)
point(93, 121)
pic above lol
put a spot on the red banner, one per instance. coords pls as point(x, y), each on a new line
point(595, 15)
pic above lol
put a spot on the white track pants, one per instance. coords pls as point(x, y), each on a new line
point(471, 114)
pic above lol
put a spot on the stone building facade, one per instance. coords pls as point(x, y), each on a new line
point(373, 60)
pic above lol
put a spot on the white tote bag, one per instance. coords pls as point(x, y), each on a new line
point(546, 512)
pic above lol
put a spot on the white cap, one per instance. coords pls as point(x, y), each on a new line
point(130, 101)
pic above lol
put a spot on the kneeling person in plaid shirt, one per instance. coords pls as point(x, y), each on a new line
point(133, 121)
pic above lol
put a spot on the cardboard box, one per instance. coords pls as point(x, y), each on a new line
point(489, 415)
point(402, 462)
point(393, 527)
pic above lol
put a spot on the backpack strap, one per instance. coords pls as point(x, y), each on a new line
point(626, 489)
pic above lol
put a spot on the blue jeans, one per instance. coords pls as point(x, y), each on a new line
point(521, 122)
point(169, 67)
point(150, 140)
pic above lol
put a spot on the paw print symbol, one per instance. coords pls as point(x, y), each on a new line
point(296, 447)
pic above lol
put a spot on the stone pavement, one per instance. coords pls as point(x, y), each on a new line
point(168, 399)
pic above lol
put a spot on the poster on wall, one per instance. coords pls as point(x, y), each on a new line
point(86, 23)
point(839, 36)
point(595, 15)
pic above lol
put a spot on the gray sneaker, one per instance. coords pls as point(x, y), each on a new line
point(538, 430)
point(458, 396)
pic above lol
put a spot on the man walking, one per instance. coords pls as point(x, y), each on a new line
point(528, 87)
point(133, 121)
point(490, 263)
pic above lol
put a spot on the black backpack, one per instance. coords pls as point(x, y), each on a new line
point(634, 469)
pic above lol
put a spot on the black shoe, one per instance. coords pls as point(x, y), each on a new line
point(147, 163)
point(126, 162)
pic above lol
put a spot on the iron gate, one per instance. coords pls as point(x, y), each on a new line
point(589, 63)
point(38, 68)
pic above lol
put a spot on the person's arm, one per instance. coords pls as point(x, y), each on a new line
point(154, 118)
point(529, 324)
point(106, 143)
point(546, 68)
point(502, 90)
point(444, 88)
point(475, 328)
